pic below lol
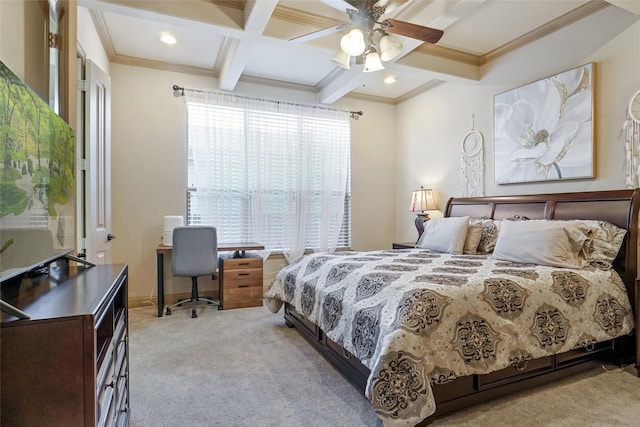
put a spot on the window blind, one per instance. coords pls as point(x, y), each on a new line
point(268, 172)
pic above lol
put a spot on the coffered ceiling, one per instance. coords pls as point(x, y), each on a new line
point(244, 40)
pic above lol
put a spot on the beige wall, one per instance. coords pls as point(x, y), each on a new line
point(12, 47)
point(149, 170)
point(431, 126)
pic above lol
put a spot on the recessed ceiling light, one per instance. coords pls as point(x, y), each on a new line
point(167, 38)
point(390, 80)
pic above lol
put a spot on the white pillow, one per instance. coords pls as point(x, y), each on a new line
point(444, 234)
point(553, 243)
point(474, 234)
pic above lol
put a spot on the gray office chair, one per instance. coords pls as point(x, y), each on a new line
point(194, 253)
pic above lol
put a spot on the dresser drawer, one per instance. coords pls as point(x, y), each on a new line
point(250, 277)
point(349, 358)
point(242, 297)
point(511, 374)
point(241, 263)
point(579, 355)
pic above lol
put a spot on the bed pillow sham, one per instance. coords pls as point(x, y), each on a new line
point(474, 234)
point(444, 234)
point(606, 242)
point(552, 243)
point(489, 237)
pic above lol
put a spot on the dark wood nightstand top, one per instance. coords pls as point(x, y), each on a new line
point(404, 245)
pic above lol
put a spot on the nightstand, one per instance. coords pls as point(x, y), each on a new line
point(240, 281)
point(404, 245)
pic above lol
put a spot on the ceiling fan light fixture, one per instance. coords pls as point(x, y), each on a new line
point(353, 43)
point(372, 62)
point(342, 59)
point(389, 48)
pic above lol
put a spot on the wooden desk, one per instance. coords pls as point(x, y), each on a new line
point(239, 250)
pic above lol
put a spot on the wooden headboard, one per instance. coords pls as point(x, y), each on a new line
point(619, 207)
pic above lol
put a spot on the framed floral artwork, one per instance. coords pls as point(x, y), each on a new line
point(545, 130)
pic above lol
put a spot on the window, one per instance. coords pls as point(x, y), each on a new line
point(269, 172)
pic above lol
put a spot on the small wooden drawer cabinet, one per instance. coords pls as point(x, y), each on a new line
point(240, 281)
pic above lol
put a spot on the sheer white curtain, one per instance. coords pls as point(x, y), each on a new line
point(270, 172)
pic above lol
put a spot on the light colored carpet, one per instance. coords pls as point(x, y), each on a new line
point(244, 367)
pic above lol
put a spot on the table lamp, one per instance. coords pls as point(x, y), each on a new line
point(421, 202)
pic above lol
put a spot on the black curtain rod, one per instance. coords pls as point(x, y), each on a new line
point(179, 91)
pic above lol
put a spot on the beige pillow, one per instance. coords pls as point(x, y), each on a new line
point(444, 234)
point(474, 234)
point(553, 243)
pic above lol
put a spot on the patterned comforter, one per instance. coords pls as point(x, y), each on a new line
point(415, 318)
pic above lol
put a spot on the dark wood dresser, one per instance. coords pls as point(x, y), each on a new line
point(68, 365)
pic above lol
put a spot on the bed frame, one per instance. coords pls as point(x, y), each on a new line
point(619, 207)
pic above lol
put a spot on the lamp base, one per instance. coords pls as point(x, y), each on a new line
point(419, 222)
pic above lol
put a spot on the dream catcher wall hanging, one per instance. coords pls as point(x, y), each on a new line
point(472, 163)
point(631, 130)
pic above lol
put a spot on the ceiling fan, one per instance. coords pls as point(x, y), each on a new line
point(369, 39)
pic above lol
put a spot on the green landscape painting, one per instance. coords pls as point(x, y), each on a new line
point(36, 164)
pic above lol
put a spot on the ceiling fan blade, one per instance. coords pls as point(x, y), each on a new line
point(317, 34)
point(415, 31)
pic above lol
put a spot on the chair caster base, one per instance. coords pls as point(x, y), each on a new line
point(193, 314)
point(168, 311)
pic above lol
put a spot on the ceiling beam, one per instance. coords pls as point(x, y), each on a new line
point(340, 83)
point(256, 16)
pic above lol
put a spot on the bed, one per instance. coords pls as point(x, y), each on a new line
point(403, 326)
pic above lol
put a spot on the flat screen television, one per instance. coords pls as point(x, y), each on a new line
point(37, 180)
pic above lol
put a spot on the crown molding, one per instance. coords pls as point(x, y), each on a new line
point(103, 33)
point(417, 91)
point(451, 54)
point(371, 98)
point(163, 66)
point(302, 17)
point(544, 30)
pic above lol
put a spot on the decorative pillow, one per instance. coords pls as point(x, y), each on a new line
point(517, 217)
point(553, 243)
point(474, 234)
point(606, 241)
point(444, 234)
point(490, 230)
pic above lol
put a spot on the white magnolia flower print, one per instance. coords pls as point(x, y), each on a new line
point(543, 131)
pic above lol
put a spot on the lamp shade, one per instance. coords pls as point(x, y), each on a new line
point(342, 59)
point(422, 200)
point(353, 42)
point(389, 48)
point(372, 62)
